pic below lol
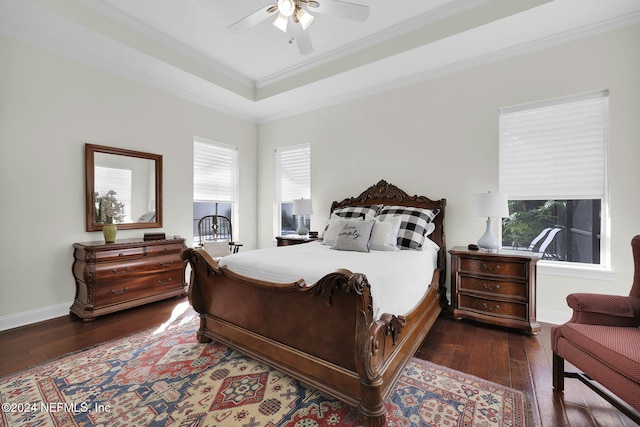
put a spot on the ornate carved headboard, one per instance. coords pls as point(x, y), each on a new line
point(388, 194)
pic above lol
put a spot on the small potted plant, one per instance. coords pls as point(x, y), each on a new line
point(109, 212)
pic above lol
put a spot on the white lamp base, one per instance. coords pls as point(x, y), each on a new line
point(302, 228)
point(489, 241)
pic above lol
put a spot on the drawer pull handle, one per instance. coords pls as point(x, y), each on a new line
point(166, 264)
point(486, 307)
point(488, 268)
point(113, 291)
point(165, 282)
point(490, 288)
point(124, 270)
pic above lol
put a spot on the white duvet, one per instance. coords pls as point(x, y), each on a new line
point(398, 279)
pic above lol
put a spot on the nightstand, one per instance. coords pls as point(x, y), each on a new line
point(495, 288)
point(294, 239)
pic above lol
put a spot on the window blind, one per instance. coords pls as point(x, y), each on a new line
point(215, 172)
point(118, 180)
point(293, 173)
point(554, 150)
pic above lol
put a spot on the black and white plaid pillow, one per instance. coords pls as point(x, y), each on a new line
point(358, 211)
point(414, 225)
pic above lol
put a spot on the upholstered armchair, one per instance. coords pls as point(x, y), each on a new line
point(602, 339)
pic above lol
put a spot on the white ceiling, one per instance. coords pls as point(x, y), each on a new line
point(184, 47)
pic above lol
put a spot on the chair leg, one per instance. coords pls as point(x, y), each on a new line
point(558, 373)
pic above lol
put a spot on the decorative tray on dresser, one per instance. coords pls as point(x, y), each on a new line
point(496, 288)
point(127, 273)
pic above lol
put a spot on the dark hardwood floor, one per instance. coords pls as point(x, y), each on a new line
point(501, 355)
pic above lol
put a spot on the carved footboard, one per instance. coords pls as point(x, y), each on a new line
point(324, 335)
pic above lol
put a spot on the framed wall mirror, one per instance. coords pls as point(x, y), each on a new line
point(133, 178)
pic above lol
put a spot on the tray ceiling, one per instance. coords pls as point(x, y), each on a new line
point(184, 47)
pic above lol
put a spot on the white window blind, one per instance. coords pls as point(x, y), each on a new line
point(215, 171)
point(118, 180)
point(293, 173)
point(554, 150)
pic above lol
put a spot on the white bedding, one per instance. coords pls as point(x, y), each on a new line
point(398, 279)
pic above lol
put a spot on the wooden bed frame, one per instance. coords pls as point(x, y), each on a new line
point(325, 334)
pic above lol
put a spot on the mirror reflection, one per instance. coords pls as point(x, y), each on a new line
point(123, 187)
point(131, 181)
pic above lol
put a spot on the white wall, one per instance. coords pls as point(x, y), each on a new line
point(439, 138)
point(49, 107)
point(436, 138)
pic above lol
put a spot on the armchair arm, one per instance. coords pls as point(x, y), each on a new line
point(608, 310)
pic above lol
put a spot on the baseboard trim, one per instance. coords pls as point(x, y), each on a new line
point(553, 317)
point(34, 316)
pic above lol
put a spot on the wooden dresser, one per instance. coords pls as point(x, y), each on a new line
point(125, 274)
point(496, 288)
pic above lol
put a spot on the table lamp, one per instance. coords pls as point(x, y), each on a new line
point(490, 205)
point(302, 207)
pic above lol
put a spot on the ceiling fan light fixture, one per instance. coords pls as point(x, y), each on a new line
point(304, 18)
point(281, 22)
point(286, 7)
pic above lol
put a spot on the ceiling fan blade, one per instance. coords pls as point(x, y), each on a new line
point(303, 41)
point(254, 19)
point(356, 12)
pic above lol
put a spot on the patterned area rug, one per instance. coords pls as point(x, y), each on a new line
point(167, 378)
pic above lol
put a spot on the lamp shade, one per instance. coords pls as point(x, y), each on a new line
point(490, 205)
point(302, 207)
point(304, 17)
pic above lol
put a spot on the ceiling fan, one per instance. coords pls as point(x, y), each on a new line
point(294, 15)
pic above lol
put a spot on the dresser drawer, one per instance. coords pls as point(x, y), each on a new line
point(490, 307)
point(119, 291)
point(121, 270)
point(494, 288)
point(494, 267)
point(167, 248)
point(118, 254)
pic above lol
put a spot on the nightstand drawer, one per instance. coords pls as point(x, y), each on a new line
point(494, 308)
point(488, 266)
point(493, 287)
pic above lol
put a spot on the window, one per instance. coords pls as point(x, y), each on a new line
point(552, 166)
point(293, 181)
point(215, 182)
point(118, 180)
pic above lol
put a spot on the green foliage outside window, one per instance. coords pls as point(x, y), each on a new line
point(527, 218)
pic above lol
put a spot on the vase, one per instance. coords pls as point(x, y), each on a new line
point(109, 231)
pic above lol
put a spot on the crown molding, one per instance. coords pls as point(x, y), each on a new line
point(153, 34)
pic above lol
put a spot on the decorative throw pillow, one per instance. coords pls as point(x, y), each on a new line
point(357, 211)
point(384, 236)
point(354, 236)
point(414, 225)
point(331, 230)
point(217, 249)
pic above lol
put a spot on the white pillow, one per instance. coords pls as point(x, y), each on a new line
point(385, 235)
point(354, 236)
point(217, 249)
point(331, 231)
